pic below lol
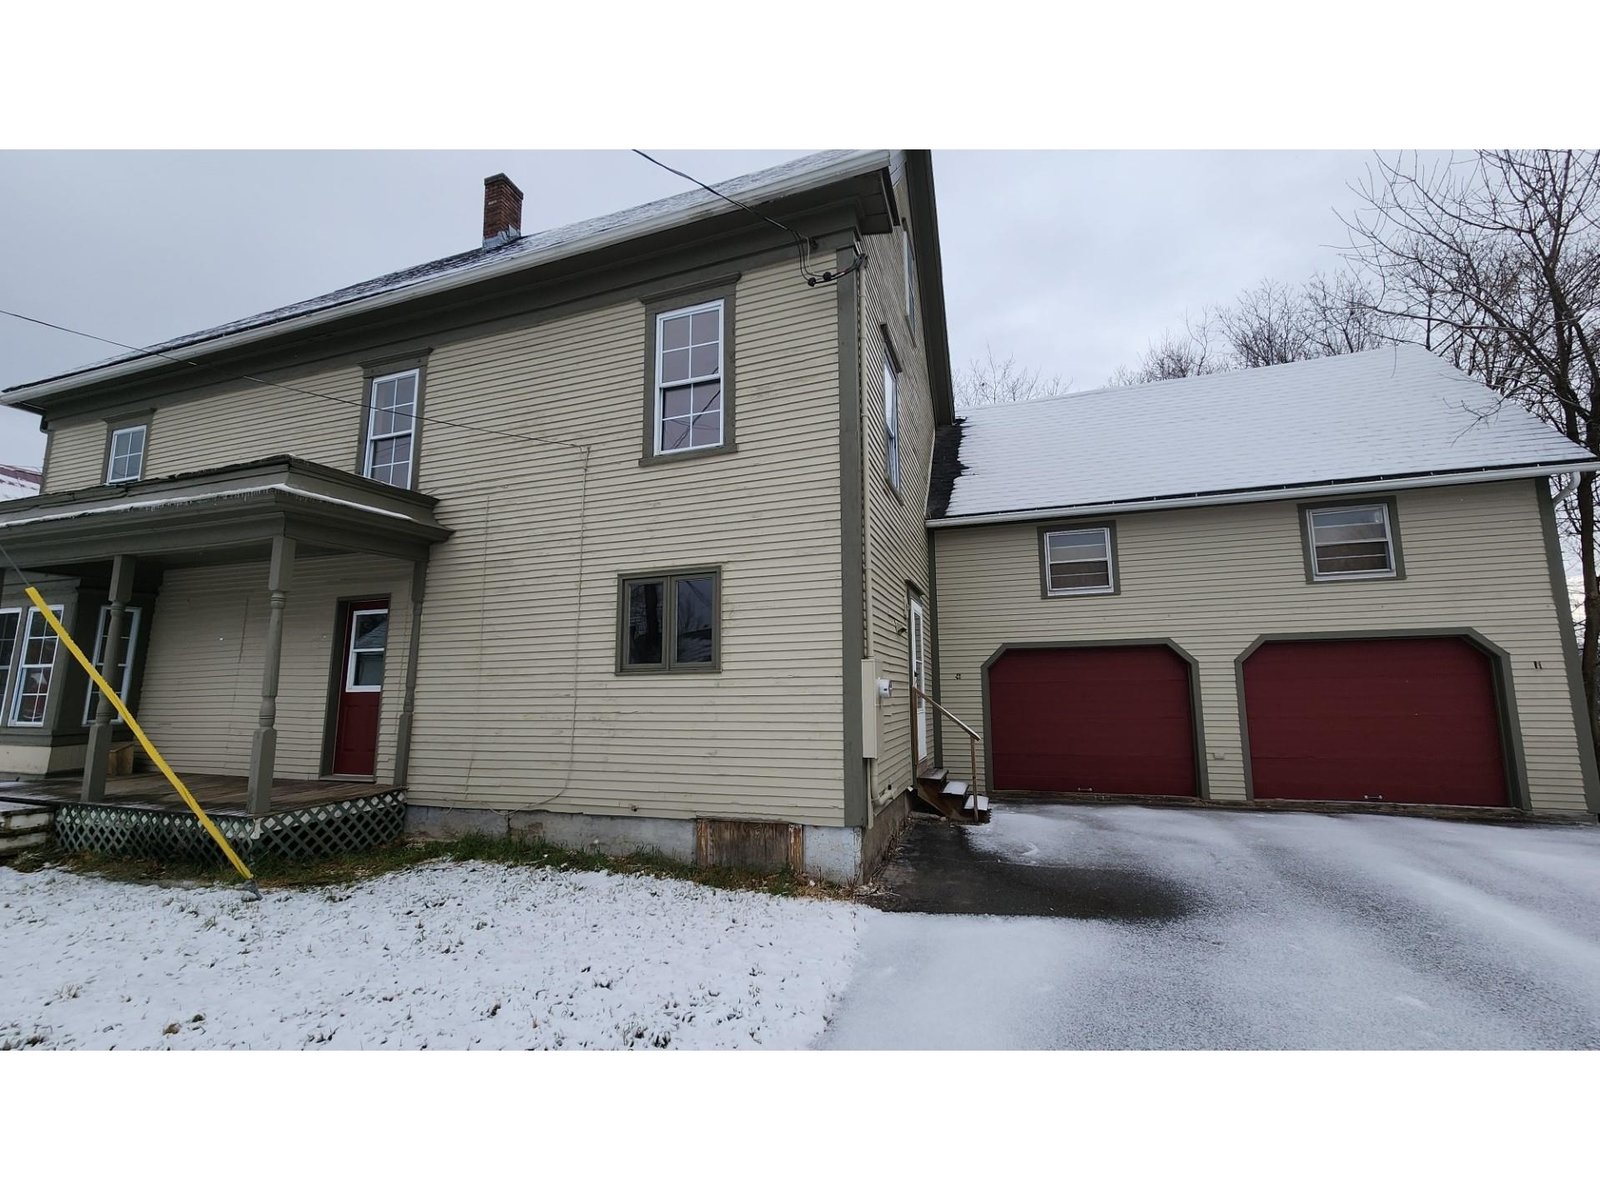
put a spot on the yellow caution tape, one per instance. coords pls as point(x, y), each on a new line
point(122, 710)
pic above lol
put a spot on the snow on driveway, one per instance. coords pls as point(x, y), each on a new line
point(448, 955)
point(1296, 931)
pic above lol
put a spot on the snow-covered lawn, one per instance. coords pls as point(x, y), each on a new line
point(450, 955)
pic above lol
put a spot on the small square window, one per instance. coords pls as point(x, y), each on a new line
point(125, 454)
point(1079, 561)
point(1351, 542)
point(670, 622)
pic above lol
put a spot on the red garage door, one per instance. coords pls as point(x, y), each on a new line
point(1404, 720)
point(1101, 719)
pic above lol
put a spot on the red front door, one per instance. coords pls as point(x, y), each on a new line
point(360, 683)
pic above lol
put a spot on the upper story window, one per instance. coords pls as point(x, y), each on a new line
point(689, 377)
point(891, 419)
point(125, 454)
point(1079, 561)
point(1354, 541)
point(389, 447)
point(670, 622)
point(27, 665)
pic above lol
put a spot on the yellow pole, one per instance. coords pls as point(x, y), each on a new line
point(149, 748)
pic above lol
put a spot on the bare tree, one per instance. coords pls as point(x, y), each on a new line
point(1342, 316)
point(1495, 257)
point(1267, 325)
point(1177, 355)
point(1003, 382)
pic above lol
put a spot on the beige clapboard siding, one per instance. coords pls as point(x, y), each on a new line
point(1214, 579)
point(896, 552)
point(495, 705)
point(202, 683)
point(75, 456)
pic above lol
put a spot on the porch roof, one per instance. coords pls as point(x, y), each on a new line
point(224, 514)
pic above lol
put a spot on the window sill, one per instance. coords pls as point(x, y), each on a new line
point(651, 459)
point(1391, 577)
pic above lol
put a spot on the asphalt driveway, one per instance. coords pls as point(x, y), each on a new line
point(1184, 929)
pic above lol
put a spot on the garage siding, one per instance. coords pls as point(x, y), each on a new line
point(1216, 579)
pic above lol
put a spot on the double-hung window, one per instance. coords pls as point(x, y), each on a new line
point(670, 622)
point(690, 370)
point(125, 454)
point(1079, 561)
point(28, 651)
point(910, 256)
point(123, 675)
point(389, 453)
point(1353, 541)
point(891, 420)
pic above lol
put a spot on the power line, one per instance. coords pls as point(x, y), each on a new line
point(289, 387)
point(801, 243)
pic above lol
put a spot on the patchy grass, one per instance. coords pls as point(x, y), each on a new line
point(397, 856)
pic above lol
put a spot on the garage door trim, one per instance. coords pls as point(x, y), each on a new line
point(1196, 711)
point(1500, 671)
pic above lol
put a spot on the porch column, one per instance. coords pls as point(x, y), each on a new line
point(94, 763)
point(264, 747)
point(408, 702)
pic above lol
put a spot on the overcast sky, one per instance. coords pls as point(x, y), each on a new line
point(1069, 260)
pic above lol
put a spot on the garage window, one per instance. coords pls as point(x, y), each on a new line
point(1079, 560)
point(1353, 541)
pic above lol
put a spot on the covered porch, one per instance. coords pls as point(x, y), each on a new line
point(181, 590)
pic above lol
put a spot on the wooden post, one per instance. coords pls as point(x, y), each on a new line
point(408, 700)
point(264, 746)
point(99, 747)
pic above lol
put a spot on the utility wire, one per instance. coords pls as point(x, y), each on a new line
point(801, 243)
point(289, 387)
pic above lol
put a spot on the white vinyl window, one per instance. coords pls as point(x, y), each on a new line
point(891, 422)
point(392, 428)
point(1354, 542)
point(33, 664)
point(689, 379)
point(369, 640)
point(10, 623)
point(129, 639)
point(125, 460)
point(1078, 561)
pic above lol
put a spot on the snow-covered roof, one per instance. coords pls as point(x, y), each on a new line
point(458, 270)
point(17, 482)
point(1400, 416)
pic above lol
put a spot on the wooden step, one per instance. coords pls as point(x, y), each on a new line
point(956, 789)
point(933, 775)
point(23, 826)
point(977, 809)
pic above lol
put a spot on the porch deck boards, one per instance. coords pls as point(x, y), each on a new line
point(219, 795)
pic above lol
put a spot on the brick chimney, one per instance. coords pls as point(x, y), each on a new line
point(502, 210)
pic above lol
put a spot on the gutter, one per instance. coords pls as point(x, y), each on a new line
point(839, 169)
point(1287, 492)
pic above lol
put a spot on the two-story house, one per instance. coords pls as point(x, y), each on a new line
point(659, 531)
point(604, 534)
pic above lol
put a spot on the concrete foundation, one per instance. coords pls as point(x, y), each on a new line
point(833, 853)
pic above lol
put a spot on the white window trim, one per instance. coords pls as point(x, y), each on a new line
point(18, 668)
point(719, 377)
point(910, 257)
point(1320, 576)
point(131, 614)
point(891, 421)
point(411, 431)
point(1110, 560)
point(11, 665)
point(352, 654)
point(111, 453)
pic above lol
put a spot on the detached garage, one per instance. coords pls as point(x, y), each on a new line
point(1113, 719)
point(1396, 719)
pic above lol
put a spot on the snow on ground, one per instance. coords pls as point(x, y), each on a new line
point(1301, 931)
point(450, 955)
